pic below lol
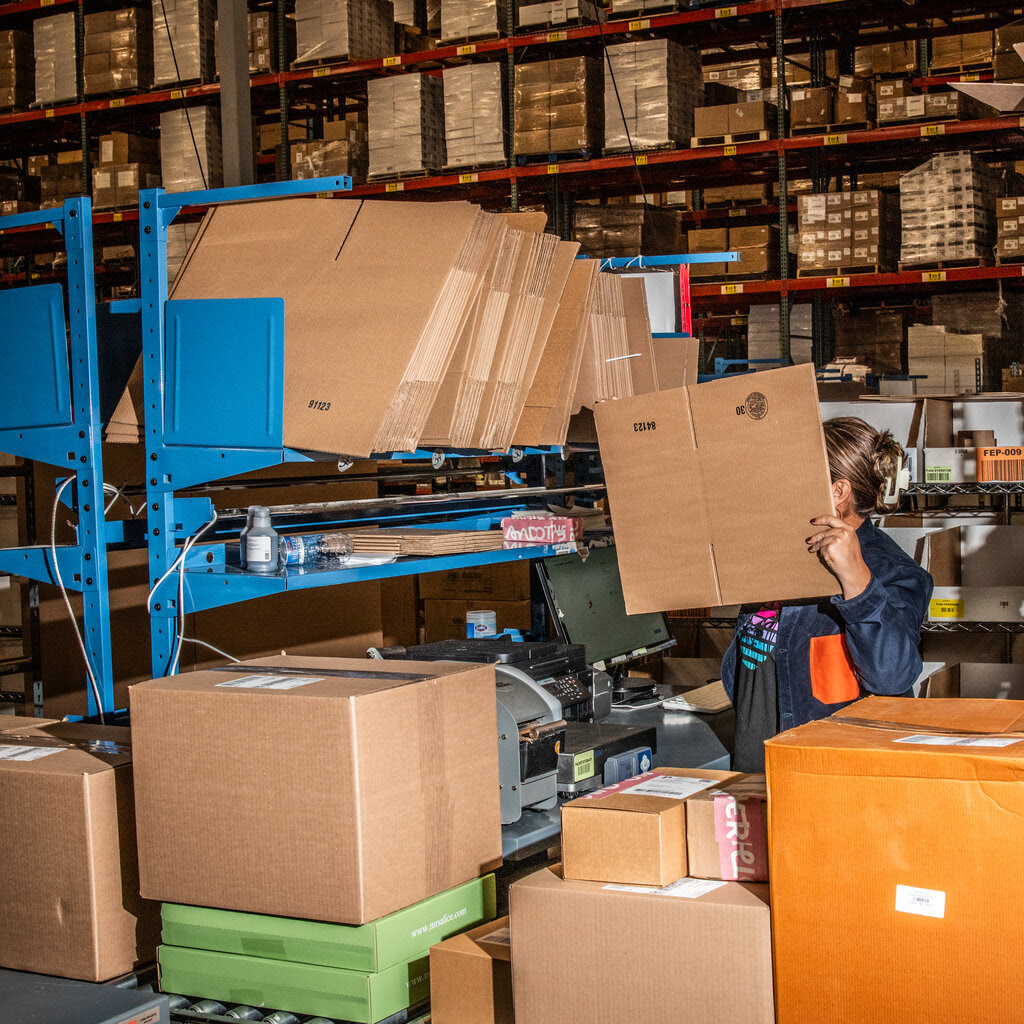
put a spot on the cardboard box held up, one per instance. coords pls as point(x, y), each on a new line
point(319, 758)
point(70, 903)
point(901, 901)
point(589, 953)
point(712, 489)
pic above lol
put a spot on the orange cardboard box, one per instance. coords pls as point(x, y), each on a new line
point(633, 833)
point(896, 828)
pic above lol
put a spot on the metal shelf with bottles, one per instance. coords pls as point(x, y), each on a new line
point(50, 413)
point(197, 430)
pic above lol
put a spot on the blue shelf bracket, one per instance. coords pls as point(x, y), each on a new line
point(49, 412)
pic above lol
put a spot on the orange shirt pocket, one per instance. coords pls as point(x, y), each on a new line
point(832, 678)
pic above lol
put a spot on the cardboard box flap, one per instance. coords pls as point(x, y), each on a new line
point(64, 748)
point(309, 677)
point(652, 792)
point(938, 716)
point(683, 531)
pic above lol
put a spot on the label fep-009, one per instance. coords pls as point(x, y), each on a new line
point(1000, 464)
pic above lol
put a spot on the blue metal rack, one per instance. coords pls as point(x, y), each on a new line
point(204, 422)
point(50, 412)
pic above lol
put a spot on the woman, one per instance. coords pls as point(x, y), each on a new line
point(794, 662)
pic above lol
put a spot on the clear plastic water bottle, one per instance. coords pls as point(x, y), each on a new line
point(316, 549)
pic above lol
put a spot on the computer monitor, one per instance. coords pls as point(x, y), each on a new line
point(587, 607)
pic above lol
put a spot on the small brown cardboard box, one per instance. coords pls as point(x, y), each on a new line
point(70, 904)
point(727, 830)
point(292, 775)
point(812, 107)
point(708, 240)
point(471, 977)
point(679, 491)
point(633, 833)
point(502, 582)
point(751, 237)
point(752, 117)
point(587, 953)
point(709, 122)
point(755, 260)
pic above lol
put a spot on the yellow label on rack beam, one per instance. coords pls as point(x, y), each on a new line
point(641, 159)
point(325, 195)
point(114, 104)
point(970, 78)
point(725, 12)
point(933, 276)
point(118, 217)
point(552, 168)
point(465, 51)
point(738, 321)
point(946, 608)
point(49, 113)
point(392, 62)
point(737, 213)
point(395, 186)
point(730, 151)
point(732, 289)
point(319, 72)
point(1022, 122)
point(636, 26)
point(557, 37)
point(177, 94)
point(466, 179)
point(835, 140)
point(932, 129)
point(45, 3)
point(838, 282)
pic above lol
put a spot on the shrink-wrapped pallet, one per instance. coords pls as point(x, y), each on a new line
point(190, 149)
point(56, 76)
point(559, 106)
point(473, 122)
point(118, 51)
point(335, 29)
point(473, 19)
point(406, 124)
point(183, 41)
point(17, 69)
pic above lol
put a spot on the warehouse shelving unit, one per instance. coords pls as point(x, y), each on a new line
point(51, 414)
point(240, 432)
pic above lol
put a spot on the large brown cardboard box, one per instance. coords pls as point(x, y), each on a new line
point(633, 833)
point(340, 791)
point(709, 122)
point(589, 953)
point(812, 107)
point(727, 831)
point(508, 581)
point(695, 474)
point(895, 838)
point(69, 904)
point(471, 977)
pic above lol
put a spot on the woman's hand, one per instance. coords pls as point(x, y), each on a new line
point(839, 548)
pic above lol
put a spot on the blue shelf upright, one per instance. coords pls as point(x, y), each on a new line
point(50, 412)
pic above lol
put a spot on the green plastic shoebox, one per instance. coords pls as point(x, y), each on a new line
point(374, 947)
point(297, 988)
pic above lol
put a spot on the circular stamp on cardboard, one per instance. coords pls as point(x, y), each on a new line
point(756, 405)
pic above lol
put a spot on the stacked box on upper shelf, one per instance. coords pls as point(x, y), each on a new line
point(947, 207)
point(264, 42)
point(473, 19)
point(126, 164)
point(473, 121)
point(847, 231)
point(628, 230)
point(17, 69)
point(1010, 229)
point(559, 106)
point(342, 150)
point(53, 42)
point(932, 106)
point(182, 133)
point(183, 41)
point(972, 50)
point(1008, 65)
point(118, 50)
point(650, 90)
point(338, 29)
point(556, 12)
point(62, 179)
point(742, 75)
point(411, 13)
point(406, 121)
point(887, 59)
point(19, 193)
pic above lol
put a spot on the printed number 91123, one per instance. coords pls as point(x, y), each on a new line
point(638, 427)
point(319, 406)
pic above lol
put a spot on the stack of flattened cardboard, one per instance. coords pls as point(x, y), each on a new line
point(422, 541)
point(491, 324)
point(618, 357)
